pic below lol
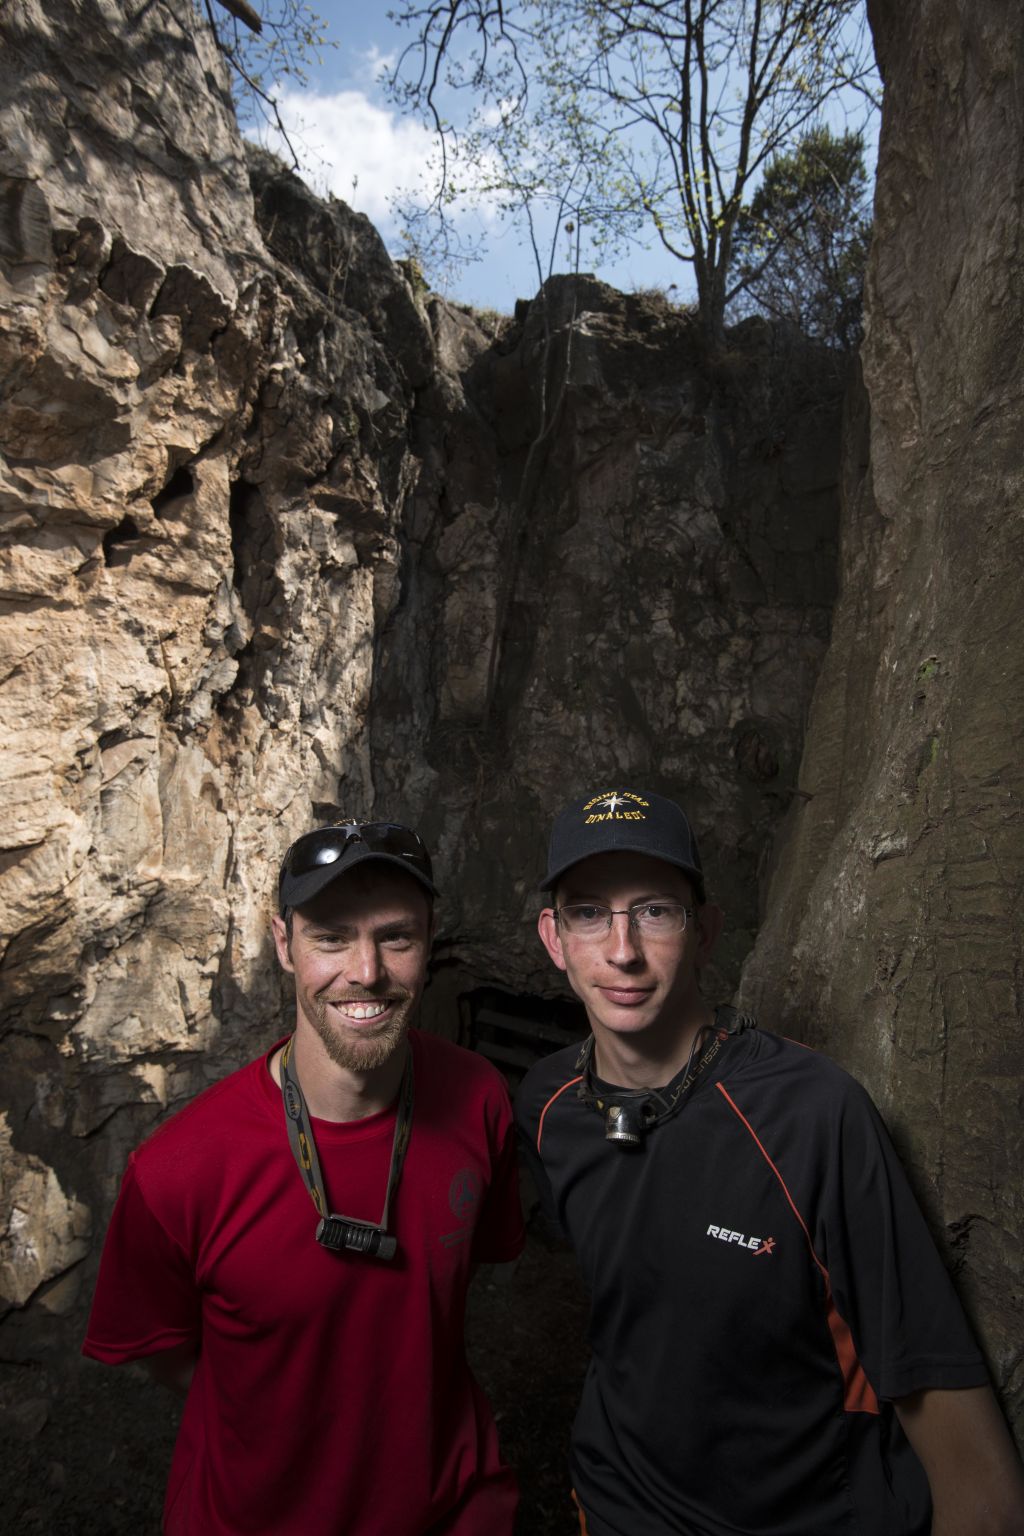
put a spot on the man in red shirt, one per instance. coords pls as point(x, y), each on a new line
point(293, 1249)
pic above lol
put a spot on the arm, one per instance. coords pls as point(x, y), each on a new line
point(147, 1302)
point(541, 1216)
point(498, 1235)
point(912, 1337)
point(974, 1472)
point(173, 1367)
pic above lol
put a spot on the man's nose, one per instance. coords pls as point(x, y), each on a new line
point(363, 967)
point(623, 947)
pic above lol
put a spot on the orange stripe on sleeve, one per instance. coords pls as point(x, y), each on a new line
point(547, 1106)
point(858, 1393)
point(579, 1506)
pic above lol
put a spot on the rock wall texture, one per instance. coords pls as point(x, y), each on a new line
point(205, 463)
point(280, 533)
point(626, 577)
point(892, 929)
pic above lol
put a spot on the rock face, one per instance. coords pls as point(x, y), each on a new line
point(620, 570)
point(278, 535)
point(206, 460)
point(892, 932)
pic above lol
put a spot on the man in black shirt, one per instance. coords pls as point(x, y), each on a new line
point(776, 1347)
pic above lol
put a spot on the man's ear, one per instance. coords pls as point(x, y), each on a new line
point(282, 943)
point(550, 937)
point(710, 919)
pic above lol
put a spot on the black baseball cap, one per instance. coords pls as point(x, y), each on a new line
point(623, 821)
point(319, 857)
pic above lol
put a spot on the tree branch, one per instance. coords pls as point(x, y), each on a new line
point(245, 13)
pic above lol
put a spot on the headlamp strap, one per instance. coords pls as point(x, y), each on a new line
point(300, 1137)
point(647, 1107)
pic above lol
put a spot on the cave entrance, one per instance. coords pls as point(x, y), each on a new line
point(515, 1029)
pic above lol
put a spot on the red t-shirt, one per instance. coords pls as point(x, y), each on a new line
point(332, 1395)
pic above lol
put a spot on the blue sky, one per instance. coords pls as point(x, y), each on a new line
point(354, 144)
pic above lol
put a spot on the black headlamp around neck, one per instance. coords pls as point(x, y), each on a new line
point(630, 1114)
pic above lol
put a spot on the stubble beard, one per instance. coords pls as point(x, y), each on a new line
point(363, 1050)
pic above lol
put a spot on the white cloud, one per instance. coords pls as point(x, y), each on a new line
point(365, 155)
point(502, 111)
point(374, 62)
point(356, 150)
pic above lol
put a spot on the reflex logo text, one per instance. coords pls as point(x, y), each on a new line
point(755, 1245)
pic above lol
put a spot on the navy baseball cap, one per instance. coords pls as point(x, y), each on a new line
point(317, 858)
point(623, 821)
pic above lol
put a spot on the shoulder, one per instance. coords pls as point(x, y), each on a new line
point(545, 1083)
point(768, 1060)
point(441, 1064)
point(211, 1116)
point(435, 1054)
point(771, 1080)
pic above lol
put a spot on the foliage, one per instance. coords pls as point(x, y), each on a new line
point(799, 249)
point(628, 119)
point(262, 47)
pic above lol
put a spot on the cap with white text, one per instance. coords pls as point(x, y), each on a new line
point(623, 821)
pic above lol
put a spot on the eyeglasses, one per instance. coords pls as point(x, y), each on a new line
point(652, 919)
point(327, 844)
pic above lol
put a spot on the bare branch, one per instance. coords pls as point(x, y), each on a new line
point(244, 13)
point(676, 106)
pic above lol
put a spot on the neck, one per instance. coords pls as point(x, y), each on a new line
point(651, 1058)
point(333, 1092)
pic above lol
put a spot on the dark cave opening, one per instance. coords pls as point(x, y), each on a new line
point(180, 484)
point(116, 539)
point(516, 1029)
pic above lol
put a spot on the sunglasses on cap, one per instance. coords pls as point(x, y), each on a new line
point(326, 845)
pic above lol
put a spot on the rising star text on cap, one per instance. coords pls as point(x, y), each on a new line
point(623, 821)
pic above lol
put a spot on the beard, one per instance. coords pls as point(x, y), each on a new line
point(364, 1049)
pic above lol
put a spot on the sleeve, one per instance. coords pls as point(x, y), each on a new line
point(146, 1296)
point(526, 1124)
point(499, 1234)
point(889, 1283)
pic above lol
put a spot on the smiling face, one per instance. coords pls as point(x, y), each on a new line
point(359, 953)
point(632, 985)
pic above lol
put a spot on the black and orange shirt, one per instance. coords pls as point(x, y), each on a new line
point(763, 1285)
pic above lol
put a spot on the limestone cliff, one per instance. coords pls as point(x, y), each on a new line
point(892, 930)
point(626, 577)
point(205, 464)
point(278, 534)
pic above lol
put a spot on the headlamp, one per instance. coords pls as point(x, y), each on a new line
point(629, 1114)
point(338, 1233)
point(624, 1123)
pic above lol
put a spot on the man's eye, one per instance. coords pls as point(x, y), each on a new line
point(397, 940)
point(657, 917)
point(587, 914)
